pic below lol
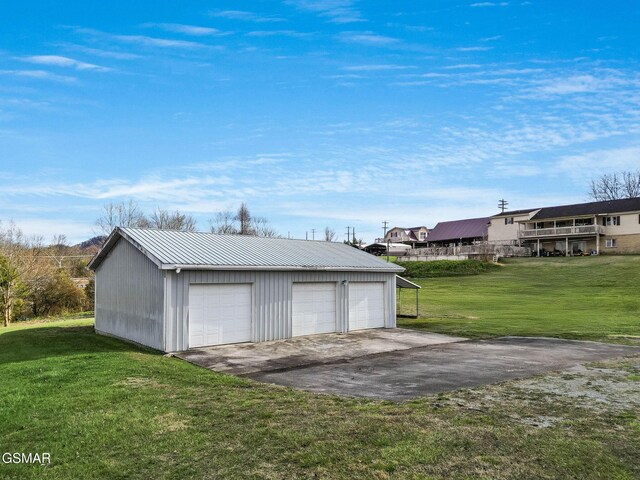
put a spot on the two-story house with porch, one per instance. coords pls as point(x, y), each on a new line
point(596, 227)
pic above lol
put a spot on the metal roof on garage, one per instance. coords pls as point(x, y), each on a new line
point(172, 249)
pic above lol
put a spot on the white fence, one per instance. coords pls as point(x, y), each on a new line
point(484, 251)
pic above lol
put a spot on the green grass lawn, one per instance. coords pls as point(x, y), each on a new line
point(589, 298)
point(107, 409)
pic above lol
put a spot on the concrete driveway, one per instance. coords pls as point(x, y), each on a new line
point(398, 364)
point(247, 358)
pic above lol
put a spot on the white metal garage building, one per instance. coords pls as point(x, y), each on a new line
point(174, 290)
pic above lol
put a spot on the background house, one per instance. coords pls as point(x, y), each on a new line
point(595, 227)
point(414, 236)
point(503, 228)
point(173, 290)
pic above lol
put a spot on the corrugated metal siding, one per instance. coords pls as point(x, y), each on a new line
point(271, 299)
point(130, 297)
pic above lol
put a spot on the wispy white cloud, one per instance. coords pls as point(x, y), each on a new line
point(476, 48)
point(283, 33)
point(157, 42)
point(114, 54)
point(460, 66)
point(141, 40)
point(368, 38)
point(336, 11)
point(65, 62)
point(584, 166)
point(584, 83)
point(377, 67)
point(489, 4)
point(246, 16)
point(193, 30)
point(40, 75)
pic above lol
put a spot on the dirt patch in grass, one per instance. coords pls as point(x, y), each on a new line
point(140, 382)
point(170, 422)
point(596, 387)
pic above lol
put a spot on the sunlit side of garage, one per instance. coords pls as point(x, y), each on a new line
point(219, 289)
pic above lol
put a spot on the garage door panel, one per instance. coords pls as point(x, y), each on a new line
point(366, 305)
point(219, 314)
point(313, 308)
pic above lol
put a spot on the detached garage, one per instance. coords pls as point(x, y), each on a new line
point(173, 290)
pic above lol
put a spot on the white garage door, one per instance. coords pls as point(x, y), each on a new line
point(366, 305)
point(314, 308)
point(219, 314)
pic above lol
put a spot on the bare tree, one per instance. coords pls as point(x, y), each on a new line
point(172, 221)
point(260, 228)
point(631, 183)
point(19, 265)
point(123, 214)
point(223, 222)
point(59, 241)
point(614, 186)
point(329, 235)
point(241, 223)
point(243, 217)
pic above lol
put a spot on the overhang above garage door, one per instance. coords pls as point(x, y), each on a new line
point(219, 314)
point(313, 308)
point(366, 305)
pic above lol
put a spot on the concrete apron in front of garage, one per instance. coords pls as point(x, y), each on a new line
point(313, 350)
point(416, 372)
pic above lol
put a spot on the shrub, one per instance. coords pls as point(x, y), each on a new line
point(446, 268)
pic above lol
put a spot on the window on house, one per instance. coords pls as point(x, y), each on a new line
point(508, 221)
point(611, 243)
point(423, 235)
point(583, 221)
point(612, 221)
point(394, 234)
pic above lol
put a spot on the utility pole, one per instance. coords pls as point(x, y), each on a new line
point(348, 234)
point(384, 228)
point(502, 205)
point(313, 234)
point(353, 232)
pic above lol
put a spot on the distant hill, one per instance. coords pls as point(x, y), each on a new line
point(92, 243)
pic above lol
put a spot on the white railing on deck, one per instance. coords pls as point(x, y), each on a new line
point(561, 231)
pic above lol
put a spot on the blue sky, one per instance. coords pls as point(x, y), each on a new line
point(316, 113)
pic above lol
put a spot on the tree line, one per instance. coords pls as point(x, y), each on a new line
point(38, 280)
point(238, 222)
point(43, 280)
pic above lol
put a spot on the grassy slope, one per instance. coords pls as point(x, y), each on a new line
point(592, 298)
point(105, 409)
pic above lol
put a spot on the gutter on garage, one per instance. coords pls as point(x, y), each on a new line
point(178, 267)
